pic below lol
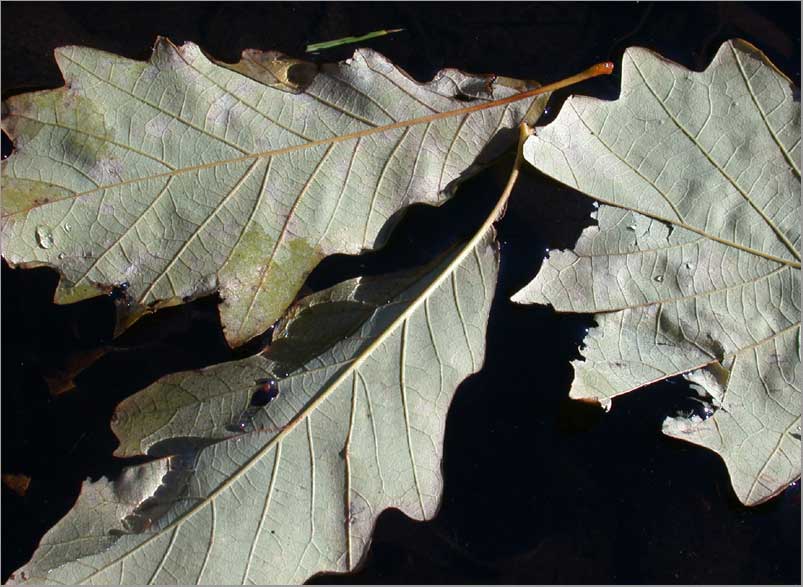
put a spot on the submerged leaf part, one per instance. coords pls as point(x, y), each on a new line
point(357, 427)
point(181, 176)
point(695, 260)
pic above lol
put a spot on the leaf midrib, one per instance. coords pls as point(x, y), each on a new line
point(303, 414)
point(390, 329)
point(293, 148)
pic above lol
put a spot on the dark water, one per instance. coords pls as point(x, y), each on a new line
point(538, 489)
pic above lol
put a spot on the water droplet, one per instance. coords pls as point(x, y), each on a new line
point(67, 228)
point(267, 390)
point(595, 204)
point(689, 265)
point(61, 256)
point(631, 227)
point(659, 278)
point(44, 236)
point(546, 110)
point(236, 427)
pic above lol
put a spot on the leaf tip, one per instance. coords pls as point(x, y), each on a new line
point(519, 297)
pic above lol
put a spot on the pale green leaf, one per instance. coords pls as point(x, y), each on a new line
point(181, 176)
point(695, 261)
point(356, 428)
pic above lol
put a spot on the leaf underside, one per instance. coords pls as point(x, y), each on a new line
point(181, 176)
point(278, 493)
point(694, 266)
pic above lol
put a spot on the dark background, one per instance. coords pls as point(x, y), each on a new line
point(538, 489)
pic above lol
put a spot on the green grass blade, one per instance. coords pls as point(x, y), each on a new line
point(348, 40)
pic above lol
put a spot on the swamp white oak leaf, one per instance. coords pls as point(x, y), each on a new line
point(366, 371)
point(180, 176)
point(694, 266)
